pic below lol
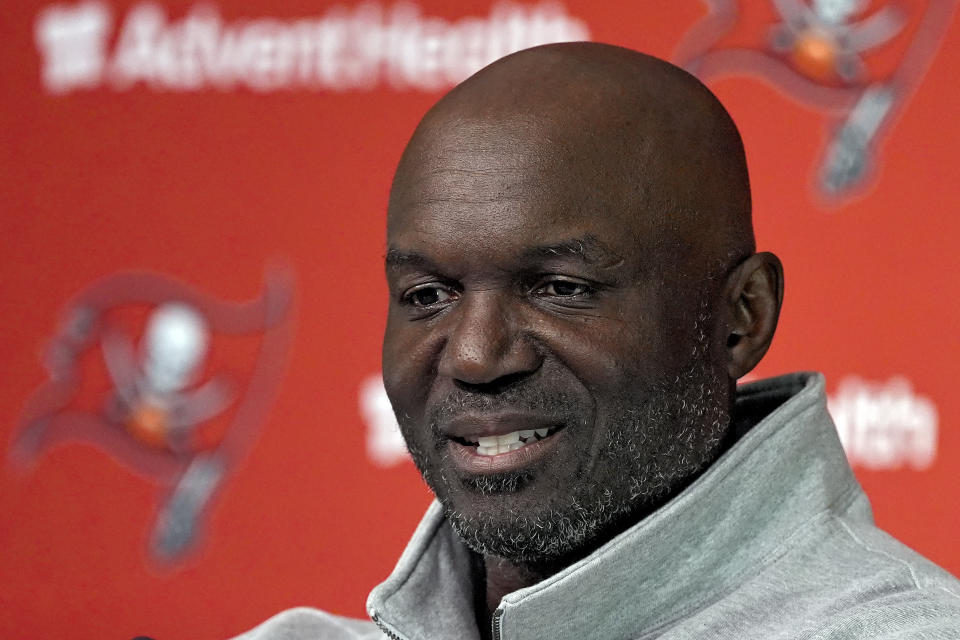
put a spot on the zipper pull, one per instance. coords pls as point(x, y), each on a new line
point(495, 623)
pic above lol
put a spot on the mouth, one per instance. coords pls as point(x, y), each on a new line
point(474, 454)
point(500, 444)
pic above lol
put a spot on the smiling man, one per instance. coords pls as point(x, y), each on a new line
point(574, 291)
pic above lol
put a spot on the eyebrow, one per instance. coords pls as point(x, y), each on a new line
point(587, 248)
point(395, 259)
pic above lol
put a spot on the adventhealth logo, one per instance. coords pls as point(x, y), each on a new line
point(356, 48)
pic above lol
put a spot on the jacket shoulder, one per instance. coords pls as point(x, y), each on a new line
point(919, 614)
point(906, 597)
point(836, 579)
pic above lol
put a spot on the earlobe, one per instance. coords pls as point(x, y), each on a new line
point(754, 294)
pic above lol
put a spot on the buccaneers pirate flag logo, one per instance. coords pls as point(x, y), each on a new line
point(170, 382)
point(855, 61)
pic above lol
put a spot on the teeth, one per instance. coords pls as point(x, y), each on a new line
point(494, 445)
point(508, 439)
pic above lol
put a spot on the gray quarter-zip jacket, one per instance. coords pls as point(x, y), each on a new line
point(774, 541)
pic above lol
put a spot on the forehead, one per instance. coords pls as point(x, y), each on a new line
point(508, 185)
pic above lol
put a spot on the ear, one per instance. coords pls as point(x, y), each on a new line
point(753, 294)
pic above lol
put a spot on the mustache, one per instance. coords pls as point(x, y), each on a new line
point(539, 399)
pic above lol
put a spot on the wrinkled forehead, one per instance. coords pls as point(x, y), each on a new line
point(457, 152)
point(518, 170)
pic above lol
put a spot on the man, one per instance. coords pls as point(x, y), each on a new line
point(574, 291)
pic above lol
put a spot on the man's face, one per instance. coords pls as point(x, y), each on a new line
point(552, 373)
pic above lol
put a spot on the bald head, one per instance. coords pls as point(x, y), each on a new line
point(603, 129)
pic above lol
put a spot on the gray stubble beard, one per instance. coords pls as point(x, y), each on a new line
point(658, 445)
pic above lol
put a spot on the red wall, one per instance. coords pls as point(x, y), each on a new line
point(244, 155)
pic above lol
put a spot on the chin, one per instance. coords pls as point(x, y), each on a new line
point(513, 529)
point(515, 517)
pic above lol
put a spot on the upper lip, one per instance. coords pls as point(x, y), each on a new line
point(478, 425)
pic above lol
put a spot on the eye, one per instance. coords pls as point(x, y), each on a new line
point(562, 288)
point(428, 295)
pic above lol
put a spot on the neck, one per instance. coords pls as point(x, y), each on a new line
point(503, 577)
point(496, 577)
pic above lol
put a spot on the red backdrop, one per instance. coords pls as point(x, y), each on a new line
point(240, 152)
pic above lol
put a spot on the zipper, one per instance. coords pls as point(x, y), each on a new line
point(390, 633)
point(394, 635)
point(495, 623)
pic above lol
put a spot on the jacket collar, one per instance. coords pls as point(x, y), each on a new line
point(787, 470)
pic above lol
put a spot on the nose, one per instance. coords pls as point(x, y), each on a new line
point(487, 341)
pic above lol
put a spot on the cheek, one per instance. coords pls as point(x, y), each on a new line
point(409, 366)
point(608, 356)
point(598, 364)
